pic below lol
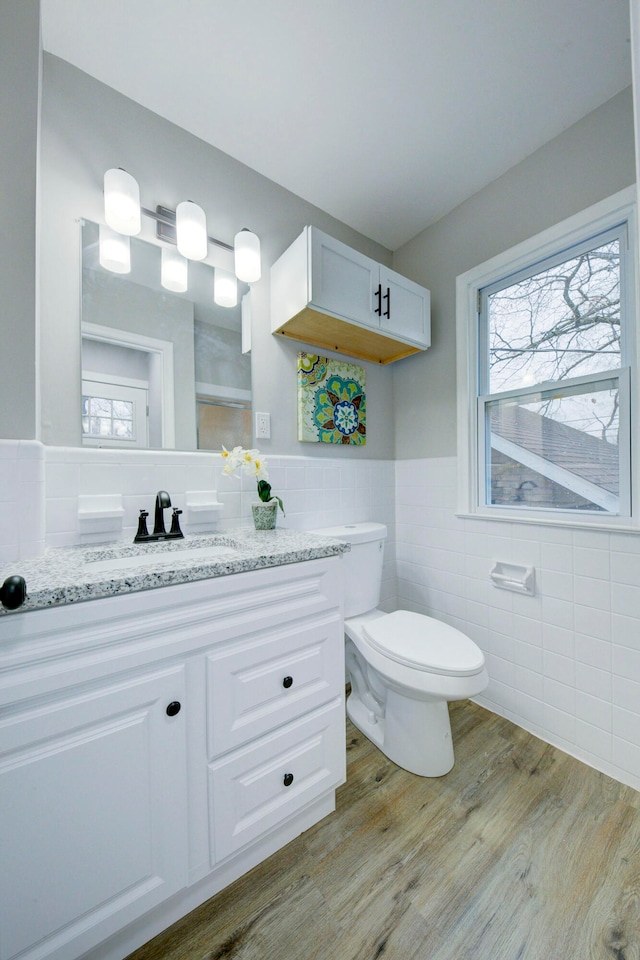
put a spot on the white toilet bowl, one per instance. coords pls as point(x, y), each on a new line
point(404, 667)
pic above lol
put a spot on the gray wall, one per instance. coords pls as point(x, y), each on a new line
point(590, 161)
point(19, 96)
point(218, 357)
point(88, 127)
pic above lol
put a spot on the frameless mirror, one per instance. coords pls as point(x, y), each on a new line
point(159, 369)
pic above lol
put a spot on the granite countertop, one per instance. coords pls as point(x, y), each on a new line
point(73, 574)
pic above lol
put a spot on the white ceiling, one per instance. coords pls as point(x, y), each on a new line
point(384, 113)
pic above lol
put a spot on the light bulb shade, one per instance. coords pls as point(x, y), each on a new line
point(191, 230)
point(122, 202)
point(246, 248)
point(115, 251)
point(174, 270)
point(225, 288)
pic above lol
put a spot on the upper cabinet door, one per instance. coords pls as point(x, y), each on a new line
point(406, 308)
point(343, 281)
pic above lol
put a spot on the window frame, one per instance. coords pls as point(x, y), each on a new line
point(471, 286)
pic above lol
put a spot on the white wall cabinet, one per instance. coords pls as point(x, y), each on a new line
point(326, 294)
point(155, 746)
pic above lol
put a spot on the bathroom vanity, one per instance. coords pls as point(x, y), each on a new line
point(157, 743)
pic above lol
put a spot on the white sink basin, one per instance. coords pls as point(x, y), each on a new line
point(170, 558)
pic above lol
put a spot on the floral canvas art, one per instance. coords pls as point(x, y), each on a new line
point(331, 401)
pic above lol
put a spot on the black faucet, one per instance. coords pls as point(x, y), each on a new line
point(163, 501)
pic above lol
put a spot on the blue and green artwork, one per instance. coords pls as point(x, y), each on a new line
point(331, 401)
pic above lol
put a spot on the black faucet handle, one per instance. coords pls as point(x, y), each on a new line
point(142, 533)
point(175, 523)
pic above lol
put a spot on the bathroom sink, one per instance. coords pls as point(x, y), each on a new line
point(153, 558)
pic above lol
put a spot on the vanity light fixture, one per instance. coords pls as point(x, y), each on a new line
point(186, 227)
point(225, 288)
point(115, 251)
point(174, 270)
point(191, 230)
point(246, 249)
point(122, 202)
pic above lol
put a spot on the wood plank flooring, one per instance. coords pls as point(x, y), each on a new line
point(520, 853)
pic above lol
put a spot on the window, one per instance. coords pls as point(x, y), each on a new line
point(547, 333)
point(107, 418)
point(114, 412)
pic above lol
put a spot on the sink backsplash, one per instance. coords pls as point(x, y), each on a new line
point(41, 487)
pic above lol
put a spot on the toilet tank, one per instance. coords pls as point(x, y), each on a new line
point(362, 566)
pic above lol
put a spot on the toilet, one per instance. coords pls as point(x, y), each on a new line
point(404, 667)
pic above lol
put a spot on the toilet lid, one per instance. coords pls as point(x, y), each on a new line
point(424, 643)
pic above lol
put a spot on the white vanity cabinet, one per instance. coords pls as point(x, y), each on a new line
point(155, 746)
point(331, 296)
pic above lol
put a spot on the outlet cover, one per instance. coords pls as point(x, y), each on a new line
point(263, 426)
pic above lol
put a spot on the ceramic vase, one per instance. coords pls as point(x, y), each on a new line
point(264, 514)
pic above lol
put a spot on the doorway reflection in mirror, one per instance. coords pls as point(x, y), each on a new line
point(173, 361)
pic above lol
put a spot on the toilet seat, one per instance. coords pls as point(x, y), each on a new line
point(417, 641)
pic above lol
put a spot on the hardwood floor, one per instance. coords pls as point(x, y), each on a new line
point(520, 853)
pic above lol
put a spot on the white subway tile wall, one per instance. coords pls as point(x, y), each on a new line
point(316, 492)
point(40, 486)
point(564, 664)
point(22, 499)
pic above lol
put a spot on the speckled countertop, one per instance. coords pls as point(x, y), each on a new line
point(73, 574)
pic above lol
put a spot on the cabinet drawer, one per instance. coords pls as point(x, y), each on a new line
point(257, 685)
point(258, 787)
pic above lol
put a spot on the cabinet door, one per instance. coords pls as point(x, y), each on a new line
point(93, 813)
point(342, 280)
point(409, 308)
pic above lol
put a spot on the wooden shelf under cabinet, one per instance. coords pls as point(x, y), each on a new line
point(321, 330)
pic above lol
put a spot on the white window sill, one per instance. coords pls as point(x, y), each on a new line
point(606, 525)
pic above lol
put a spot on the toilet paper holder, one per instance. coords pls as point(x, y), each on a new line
point(513, 576)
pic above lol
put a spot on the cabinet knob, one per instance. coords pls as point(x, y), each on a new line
point(173, 708)
point(13, 593)
point(287, 682)
point(288, 779)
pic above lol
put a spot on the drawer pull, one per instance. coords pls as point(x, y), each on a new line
point(173, 708)
point(286, 683)
point(288, 779)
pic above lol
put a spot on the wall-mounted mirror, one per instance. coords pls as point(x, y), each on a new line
point(159, 369)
